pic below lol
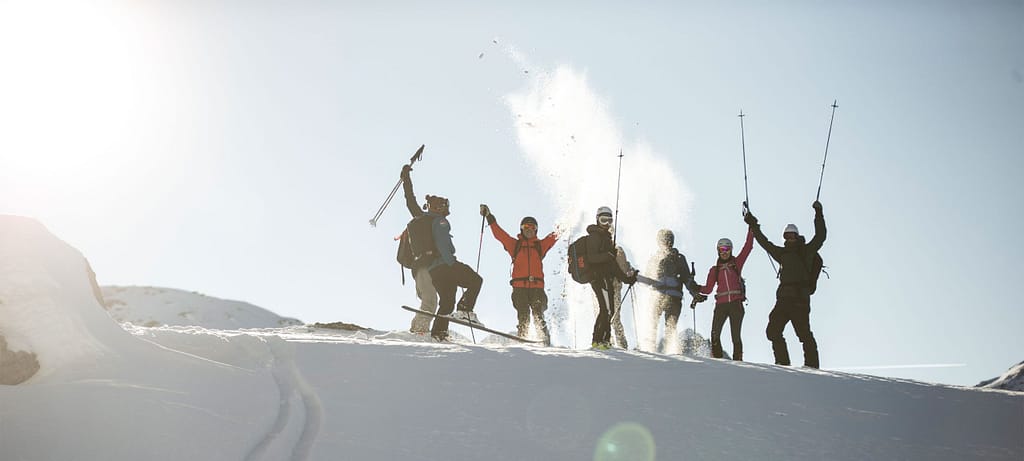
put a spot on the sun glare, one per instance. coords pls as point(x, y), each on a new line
point(77, 90)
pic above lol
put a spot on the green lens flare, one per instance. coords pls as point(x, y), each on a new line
point(625, 441)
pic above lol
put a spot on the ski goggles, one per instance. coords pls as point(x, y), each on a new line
point(724, 249)
point(604, 220)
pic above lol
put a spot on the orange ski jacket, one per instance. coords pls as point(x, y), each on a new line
point(527, 256)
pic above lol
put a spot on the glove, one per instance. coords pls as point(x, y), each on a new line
point(701, 297)
point(484, 210)
point(490, 220)
point(817, 206)
point(750, 219)
point(405, 172)
point(631, 277)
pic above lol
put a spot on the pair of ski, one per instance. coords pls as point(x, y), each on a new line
point(473, 325)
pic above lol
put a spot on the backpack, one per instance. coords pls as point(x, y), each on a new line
point(817, 267)
point(416, 247)
point(577, 266)
point(404, 256)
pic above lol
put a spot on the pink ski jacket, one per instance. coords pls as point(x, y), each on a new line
point(728, 275)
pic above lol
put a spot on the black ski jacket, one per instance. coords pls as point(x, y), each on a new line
point(795, 258)
point(601, 254)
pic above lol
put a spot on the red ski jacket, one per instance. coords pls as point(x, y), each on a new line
point(527, 256)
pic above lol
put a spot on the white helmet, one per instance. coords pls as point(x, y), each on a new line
point(724, 242)
point(604, 210)
point(791, 228)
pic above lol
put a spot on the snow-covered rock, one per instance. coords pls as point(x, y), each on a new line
point(1012, 380)
point(51, 312)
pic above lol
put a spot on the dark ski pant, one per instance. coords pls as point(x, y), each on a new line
point(527, 301)
point(605, 304)
point(734, 312)
point(447, 279)
point(797, 311)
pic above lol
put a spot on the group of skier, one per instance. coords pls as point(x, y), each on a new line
point(426, 248)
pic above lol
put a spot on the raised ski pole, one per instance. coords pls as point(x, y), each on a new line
point(615, 229)
point(743, 145)
point(746, 193)
point(417, 156)
point(829, 138)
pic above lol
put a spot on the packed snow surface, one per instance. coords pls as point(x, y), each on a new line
point(200, 393)
point(154, 306)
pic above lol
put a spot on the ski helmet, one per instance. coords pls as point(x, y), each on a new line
point(724, 242)
point(791, 228)
point(604, 211)
point(528, 220)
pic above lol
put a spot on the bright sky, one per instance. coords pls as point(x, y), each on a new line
point(238, 149)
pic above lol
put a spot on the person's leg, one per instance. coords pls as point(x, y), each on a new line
point(717, 321)
point(616, 313)
point(673, 309)
point(428, 300)
point(444, 282)
point(736, 313)
point(777, 320)
point(802, 325)
point(602, 322)
point(467, 278)
point(539, 304)
point(521, 303)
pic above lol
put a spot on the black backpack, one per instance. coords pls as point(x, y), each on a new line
point(577, 264)
point(404, 256)
point(416, 247)
point(817, 267)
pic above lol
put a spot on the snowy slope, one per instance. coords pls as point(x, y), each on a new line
point(153, 306)
point(189, 392)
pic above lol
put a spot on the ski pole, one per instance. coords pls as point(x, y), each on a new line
point(746, 193)
point(693, 308)
point(743, 145)
point(618, 188)
point(417, 156)
point(636, 330)
point(483, 221)
point(829, 138)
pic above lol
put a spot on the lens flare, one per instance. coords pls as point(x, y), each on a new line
point(625, 441)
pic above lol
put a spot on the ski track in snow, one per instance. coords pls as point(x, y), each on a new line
point(291, 386)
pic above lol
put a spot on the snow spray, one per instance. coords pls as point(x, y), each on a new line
point(570, 137)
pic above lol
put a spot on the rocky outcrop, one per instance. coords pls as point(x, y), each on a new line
point(16, 366)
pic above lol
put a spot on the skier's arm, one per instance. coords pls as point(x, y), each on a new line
point(506, 240)
point(819, 230)
point(770, 247)
point(710, 285)
point(748, 245)
point(410, 197)
point(547, 243)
